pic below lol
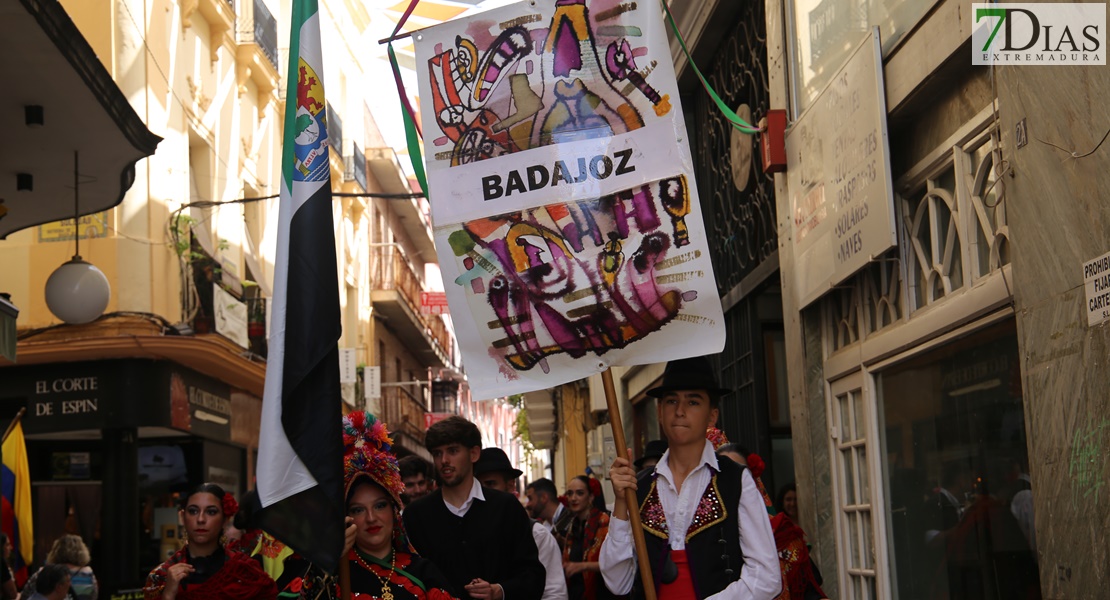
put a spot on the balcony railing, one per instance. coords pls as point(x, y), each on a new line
point(257, 25)
point(392, 271)
point(335, 131)
point(403, 412)
point(355, 166)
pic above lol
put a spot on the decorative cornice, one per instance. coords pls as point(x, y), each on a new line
point(209, 354)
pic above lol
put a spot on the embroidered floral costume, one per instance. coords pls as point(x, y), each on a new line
point(587, 539)
point(225, 575)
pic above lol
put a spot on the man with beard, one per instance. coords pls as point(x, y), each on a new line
point(416, 474)
point(495, 472)
point(544, 506)
point(481, 539)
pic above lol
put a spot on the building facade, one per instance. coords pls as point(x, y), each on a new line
point(943, 413)
point(164, 391)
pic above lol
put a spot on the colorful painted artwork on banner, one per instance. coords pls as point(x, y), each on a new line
point(567, 223)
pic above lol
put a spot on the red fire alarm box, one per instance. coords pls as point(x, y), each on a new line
point(772, 141)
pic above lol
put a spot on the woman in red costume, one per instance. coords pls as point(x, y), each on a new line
point(583, 546)
point(383, 564)
point(203, 568)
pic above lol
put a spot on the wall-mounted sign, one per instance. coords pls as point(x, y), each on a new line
point(200, 405)
point(431, 418)
point(1096, 284)
point(67, 399)
point(231, 316)
point(372, 383)
point(433, 303)
point(838, 177)
point(88, 226)
point(70, 465)
point(348, 365)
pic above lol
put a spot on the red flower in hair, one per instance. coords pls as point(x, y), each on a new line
point(756, 464)
point(230, 506)
point(595, 488)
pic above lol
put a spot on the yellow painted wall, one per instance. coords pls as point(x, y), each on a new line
point(575, 413)
point(94, 19)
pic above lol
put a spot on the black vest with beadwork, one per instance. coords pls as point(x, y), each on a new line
point(712, 541)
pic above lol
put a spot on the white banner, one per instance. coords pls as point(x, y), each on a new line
point(566, 214)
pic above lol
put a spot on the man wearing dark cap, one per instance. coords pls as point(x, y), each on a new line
point(494, 471)
point(707, 532)
point(652, 453)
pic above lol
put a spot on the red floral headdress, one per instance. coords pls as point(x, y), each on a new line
point(229, 505)
point(368, 452)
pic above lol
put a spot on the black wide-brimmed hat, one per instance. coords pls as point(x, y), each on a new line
point(495, 460)
point(689, 374)
point(654, 449)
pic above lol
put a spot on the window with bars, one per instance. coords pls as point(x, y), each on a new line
point(952, 233)
point(954, 220)
point(850, 425)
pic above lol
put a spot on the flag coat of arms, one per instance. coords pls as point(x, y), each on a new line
point(300, 478)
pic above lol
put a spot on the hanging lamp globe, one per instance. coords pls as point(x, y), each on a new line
point(77, 292)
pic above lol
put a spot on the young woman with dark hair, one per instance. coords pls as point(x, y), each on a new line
point(203, 568)
point(583, 545)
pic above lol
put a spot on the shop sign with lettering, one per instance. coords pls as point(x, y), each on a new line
point(200, 405)
point(67, 400)
point(838, 177)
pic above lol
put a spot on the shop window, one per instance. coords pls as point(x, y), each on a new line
point(851, 470)
point(956, 472)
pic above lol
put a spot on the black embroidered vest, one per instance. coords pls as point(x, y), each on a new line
point(712, 541)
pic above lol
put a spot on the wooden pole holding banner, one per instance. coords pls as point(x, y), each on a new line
point(15, 421)
point(629, 495)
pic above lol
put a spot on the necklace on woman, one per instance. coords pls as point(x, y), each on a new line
point(387, 593)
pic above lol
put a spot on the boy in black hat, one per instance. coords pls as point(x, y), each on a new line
point(652, 453)
point(708, 535)
point(495, 472)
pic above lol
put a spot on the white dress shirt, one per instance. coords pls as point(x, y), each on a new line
point(555, 587)
point(550, 525)
point(475, 493)
point(760, 578)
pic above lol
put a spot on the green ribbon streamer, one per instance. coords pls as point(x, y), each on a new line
point(411, 136)
point(733, 118)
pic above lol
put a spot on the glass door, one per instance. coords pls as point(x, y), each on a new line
point(850, 432)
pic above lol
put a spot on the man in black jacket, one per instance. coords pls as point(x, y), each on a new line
point(481, 539)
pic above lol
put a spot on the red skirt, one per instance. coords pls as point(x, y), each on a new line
point(682, 588)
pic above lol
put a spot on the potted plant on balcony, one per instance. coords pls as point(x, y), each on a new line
point(256, 310)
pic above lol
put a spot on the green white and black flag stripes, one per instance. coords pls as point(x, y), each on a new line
point(300, 450)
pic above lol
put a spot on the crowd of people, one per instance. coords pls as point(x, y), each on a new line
point(456, 528)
